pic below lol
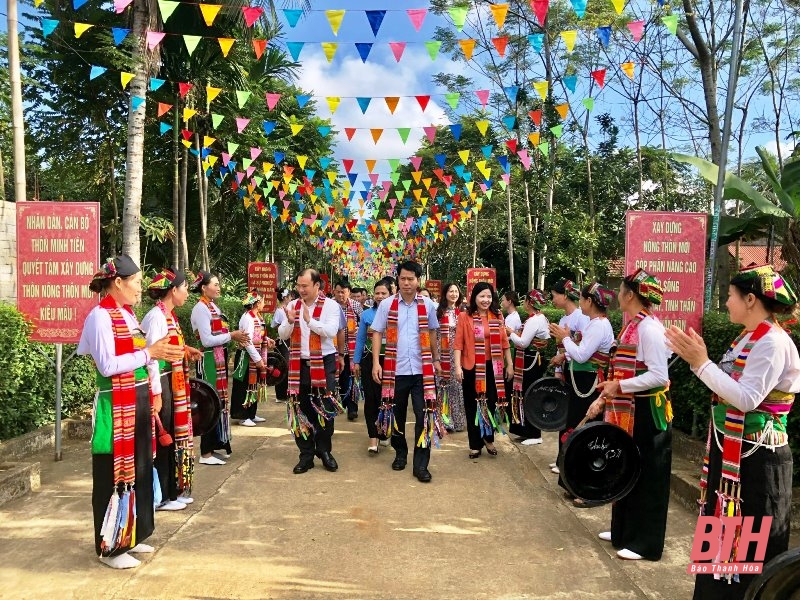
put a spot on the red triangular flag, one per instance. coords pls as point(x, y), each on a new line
point(349, 132)
point(187, 135)
point(259, 46)
point(347, 163)
point(183, 88)
point(162, 108)
point(536, 117)
point(251, 14)
point(500, 44)
point(423, 102)
point(599, 76)
point(512, 145)
point(540, 10)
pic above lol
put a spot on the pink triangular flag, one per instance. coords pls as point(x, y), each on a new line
point(417, 16)
point(397, 49)
point(154, 39)
point(121, 5)
point(254, 153)
point(225, 158)
point(250, 171)
point(636, 28)
point(272, 100)
point(505, 177)
point(483, 96)
point(430, 132)
point(416, 161)
point(241, 123)
point(251, 14)
point(373, 177)
point(524, 159)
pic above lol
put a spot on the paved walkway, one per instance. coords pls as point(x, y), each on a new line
point(491, 528)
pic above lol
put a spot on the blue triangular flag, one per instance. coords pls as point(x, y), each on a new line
point(363, 103)
point(503, 160)
point(156, 83)
point(96, 72)
point(195, 152)
point(364, 194)
point(324, 162)
point(292, 15)
point(455, 129)
point(375, 18)
point(366, 183)
point(459, 169)
point(136, 102)
point(219, 181)
point(232, 165)
point(511, 91)
point(440, 158)
point(509, 121)
point(294, 49)
point(224, 171)
point(570, 81)
point(467, 177)
point(487, 150)
point(324, 130)
point(536, 40)
point(164, 127)
point(269, 126)
point(352, 177)
point(48, 26)
point(204, 152)
point(119, 34)
point(363, 50)
point(310, 174)
point(76, 4)
point(579, 6)
point(302, 99)
point(279, 156)
point(604, 33)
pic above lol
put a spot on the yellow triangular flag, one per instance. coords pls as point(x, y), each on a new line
point(225, 45)
point(333, 103)
point(569, 38)
point(335, 19)
point(628, 69)
point(467, 47)
point(211, 93)
point(247, 202)
point(188, 113)
point(210, 12)
point(499, 12)
point(296, 127)
point(207, 141)
point(329, 48)
point(541, 88)
point(126, 78)
point(301, 160)
point(619, 5)
point(417, 175)
point(81, 28)
point(562, 110)
point(191, 42)
point(463, 155)
point(331, 176)
point(533, 138)
point(427, 181)
point(482, 125)
point(212, 160)
point(37, 3)
point(267, 168)
point(417, 194)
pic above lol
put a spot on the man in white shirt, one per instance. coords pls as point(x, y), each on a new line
point(301, 313)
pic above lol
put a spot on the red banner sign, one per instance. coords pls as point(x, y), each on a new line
point(58, 247)
point(263, 276)
point(480, 274)
point(672, 247)
point(434, 286)
point(325, 288)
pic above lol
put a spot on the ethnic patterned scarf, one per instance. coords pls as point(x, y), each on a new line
point(351, 330)
point(446, 324)
point(220, 369)
point(256, 386)
point(483, 417)
point(181, 413)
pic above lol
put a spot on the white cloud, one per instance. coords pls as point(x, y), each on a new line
point(786, 148)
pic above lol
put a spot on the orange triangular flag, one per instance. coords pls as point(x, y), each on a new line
point(370, 162)
point(259, 46)
point(533, 138)
point(467, 47)
point(391, 102)
point(628, 69)
point(376, 134)
point(562, 110)
point(162, 108)
point(500, 44)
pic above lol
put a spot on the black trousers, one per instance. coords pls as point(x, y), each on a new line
point(372, 395)
point(282, 388)
point(405, 386)
point(766, 490)
point(103, 476)
point(476, 442)
point(210, 440)
point(320, 440)
point(531, 374)
point(576, 411)
point(639, 520)
point(239, 393)
point(164, 462)
point(346, 388)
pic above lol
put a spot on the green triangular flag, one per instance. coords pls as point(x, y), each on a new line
point(404, 131)
point(191, 42)
point(167, 7)
point(246, 162)
point(459, 16)
point(399, 195)
point(433, 48)
point(671, 22)
point(452, 99)
point(557, 131)
point(489, 193)
point(544, 148)
point(394, 176)
point(232, 148)
point(502, 183)
point(293, 187)
point(588, 103)
point(216, 119)
point(394, 163)
point(242, 96)
point(258, 180)
point(406, 183)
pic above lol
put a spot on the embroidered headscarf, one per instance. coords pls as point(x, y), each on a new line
point(765, 282)
point(166, 279)
point(537, 299)
point(646, 285)
point(251, 298)
point(568, 288)
point(119, 266)
point(600, 294)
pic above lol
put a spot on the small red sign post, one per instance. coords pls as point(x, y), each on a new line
point(263, 276)
point(672, 247)
point(434, 286)
point(480, 274)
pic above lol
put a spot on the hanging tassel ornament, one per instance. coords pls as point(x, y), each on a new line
point(443, 403)
point(517, 409)
point(296, 420)
point(358, 392)
point(326, 406)
point(501, 417)
point(433, 428)
point(484, 418)
point(184, 467)
point(386, 422)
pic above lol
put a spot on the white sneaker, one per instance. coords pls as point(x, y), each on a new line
point(605, 536)
point(629, 554)
point(211, 460)
point(123, 561)
point(531, 442)
point(258, 419)
point(142, 549)
point(555, 470)
point(219, 455)
point(553, 465)
point(247, 423)
point(384, 442)
point(171, 505)
point(185, 499)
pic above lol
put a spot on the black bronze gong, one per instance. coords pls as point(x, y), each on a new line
point(545, 404)
point(277, 368)
point(206, 406)
point(780, 579)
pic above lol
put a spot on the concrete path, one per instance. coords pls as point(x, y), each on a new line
point(490, 528)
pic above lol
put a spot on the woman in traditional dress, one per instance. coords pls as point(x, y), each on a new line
point(636, 399)
point(285, 295)
point(122, 439)
point(754, 385)
point(453, 395)
point(211, 327)
point(481, 349)
point(174, 462)
point(528, 364)
point(250, 371)
point(588, 355)
point(362, 367)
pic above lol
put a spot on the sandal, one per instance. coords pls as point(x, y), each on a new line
point(474, 453)
point(492, 451)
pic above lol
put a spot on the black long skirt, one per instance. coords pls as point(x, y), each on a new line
point(639, 520)
point(372, 396)
point(476, 442)
point(766, 491)
point(239, 393)
point(165, 455)
point(103, 476)
point(532, 373)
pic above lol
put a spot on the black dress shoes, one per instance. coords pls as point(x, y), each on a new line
point(328, 461)
point(302, 467)
point(423, 475)
point(399, 464)
point(352, 416)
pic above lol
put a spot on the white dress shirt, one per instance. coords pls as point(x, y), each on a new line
point(97, 340)
point(201, 323)
point(653, 352)
point(535, 327)
point(598, 335)
point(326, 327)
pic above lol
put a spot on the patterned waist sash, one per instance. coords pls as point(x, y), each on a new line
point(256, 385)
point(216, 367)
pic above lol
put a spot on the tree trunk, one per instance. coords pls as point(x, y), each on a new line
point(532, 225)
point(113, 193)
point(203, 207)
point(510, 238)
point(177, 260)
point(182, 215)
point(2, 179)
point(143, 21)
